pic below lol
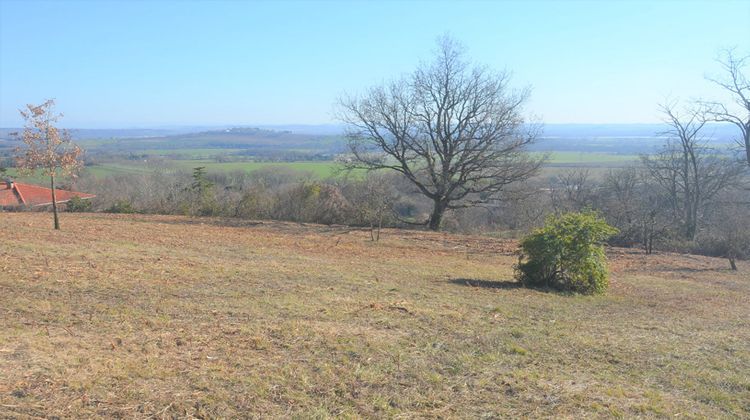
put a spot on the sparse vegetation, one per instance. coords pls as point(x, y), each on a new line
point(136, 316)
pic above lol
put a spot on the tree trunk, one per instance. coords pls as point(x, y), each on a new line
point(733, 263)
point(691, 216)
point(690, 229)
point(54, 202)
point(436, 218)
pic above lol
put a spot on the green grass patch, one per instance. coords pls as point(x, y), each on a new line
point(587, 157)
point(324, 169)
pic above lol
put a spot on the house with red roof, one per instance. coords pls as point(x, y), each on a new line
point(16, 195)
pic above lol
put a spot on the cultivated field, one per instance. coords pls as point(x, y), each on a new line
point(187, 159)
point(322, 169)
point(155, 316)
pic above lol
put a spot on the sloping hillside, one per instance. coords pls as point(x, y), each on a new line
point(251, 140)
point(140, 316)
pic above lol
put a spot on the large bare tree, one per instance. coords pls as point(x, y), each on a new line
point(47, 148)
point(453, 129)
point(687, 171)
point(730, 233)
point(736, 83)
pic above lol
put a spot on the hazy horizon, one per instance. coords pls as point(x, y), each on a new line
point(718, 132)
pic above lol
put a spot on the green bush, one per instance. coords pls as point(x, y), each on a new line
point(567, 254)
point(121, 206)
point(78, 204)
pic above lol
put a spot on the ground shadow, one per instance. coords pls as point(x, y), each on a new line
point(281, 226)
point(686, 269)
point(487, 284)
point(213, 222)
point(503, 285)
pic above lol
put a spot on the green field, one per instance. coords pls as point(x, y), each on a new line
point(588, 158)
point(320, 169)
point(34, 178)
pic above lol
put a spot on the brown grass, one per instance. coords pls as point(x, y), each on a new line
point(160, 317)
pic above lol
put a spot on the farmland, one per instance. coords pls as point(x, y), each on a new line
point(319, 169)
point(187, 159)
point(250, 149)
point(162, 316)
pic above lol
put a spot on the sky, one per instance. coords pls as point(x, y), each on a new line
point(123, 64)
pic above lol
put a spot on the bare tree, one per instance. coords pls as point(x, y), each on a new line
point(729, 235)
point(372, 199)
point(453, 129)
point(686, 170)
point(572, 190)
point(622, 204)
point(736, 83)
point(47, 148)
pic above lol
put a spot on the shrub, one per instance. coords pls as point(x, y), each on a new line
point(78, 204)
point(121, 206)
point(256, 202)
point(566, 254)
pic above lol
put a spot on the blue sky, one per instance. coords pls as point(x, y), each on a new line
point(138, 63)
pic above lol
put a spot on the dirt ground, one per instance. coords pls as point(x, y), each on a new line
point(125, 316)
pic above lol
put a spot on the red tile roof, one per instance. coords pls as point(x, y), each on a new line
point(16, 194)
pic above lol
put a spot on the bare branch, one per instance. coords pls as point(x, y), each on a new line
point(46, 147)
point(736, 83)
point(454, 130)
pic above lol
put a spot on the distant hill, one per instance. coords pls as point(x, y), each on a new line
point(242, 140)
point(316, 129)
point(619, 138)
point(328, 139)
point(110, 133)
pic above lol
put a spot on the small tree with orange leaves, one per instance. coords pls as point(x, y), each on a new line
point(47, 148)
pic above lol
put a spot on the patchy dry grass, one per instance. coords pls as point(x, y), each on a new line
point(136, 316)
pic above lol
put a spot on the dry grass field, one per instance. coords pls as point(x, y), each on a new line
point(170, 317)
